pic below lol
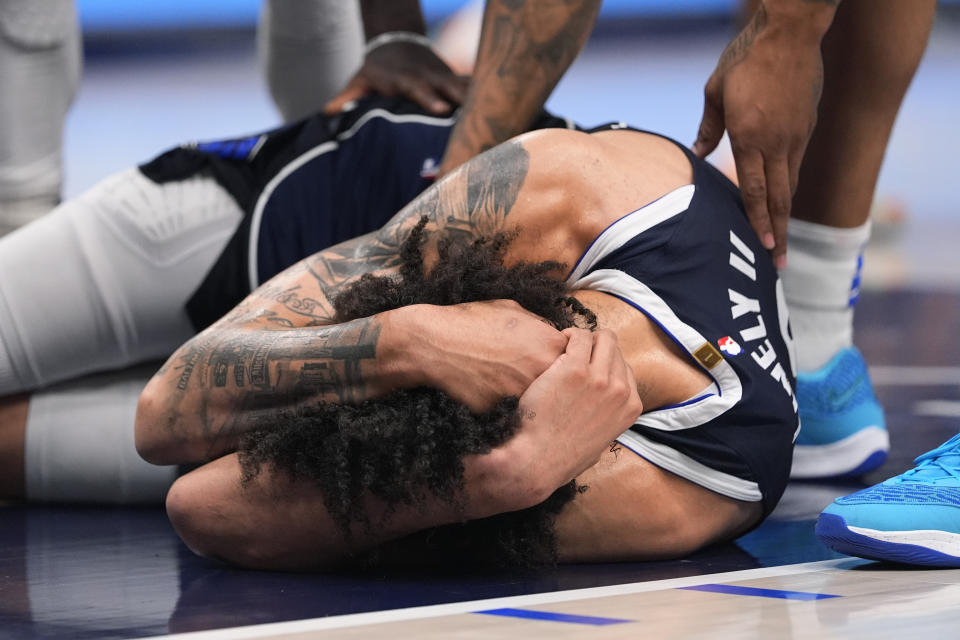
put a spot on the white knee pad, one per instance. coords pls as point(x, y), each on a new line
point(309, 49)
point(40, 60)
point(80, 444)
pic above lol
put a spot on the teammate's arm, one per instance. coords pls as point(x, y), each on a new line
point(765, 92)
point(397, 62)
point(525, 47)
point(280, 347)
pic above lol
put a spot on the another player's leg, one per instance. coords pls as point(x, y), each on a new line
point(40, 60)
point(98, 284)
point(13, 420)
point(101, 283)
point(308, 49)
point(870, 56)
point(74, 443)
point(914, 517)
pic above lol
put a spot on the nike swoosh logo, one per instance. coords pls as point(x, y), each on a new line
point(840, 400)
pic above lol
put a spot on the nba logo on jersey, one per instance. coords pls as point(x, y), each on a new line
point(429, 169)
point(729, 346)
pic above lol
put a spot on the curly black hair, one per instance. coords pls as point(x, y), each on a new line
point(409, 445)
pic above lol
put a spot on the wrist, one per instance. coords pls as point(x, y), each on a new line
point(400, 349)
point(501, 480)
point(382, 16)
point(799, 20)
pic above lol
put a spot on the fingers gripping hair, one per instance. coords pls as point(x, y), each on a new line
point(408, 446)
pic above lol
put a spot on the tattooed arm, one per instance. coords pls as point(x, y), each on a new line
point(765, 92)
point(280, 347)
point(474, 201)
point(525, 48)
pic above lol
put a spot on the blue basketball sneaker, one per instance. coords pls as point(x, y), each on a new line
point(842, 429)
point(913, 518)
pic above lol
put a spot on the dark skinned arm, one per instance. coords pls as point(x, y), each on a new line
point(764, 92)
point(401, 68)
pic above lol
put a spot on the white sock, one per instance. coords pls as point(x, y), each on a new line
point(821, 283)
point(80, 443)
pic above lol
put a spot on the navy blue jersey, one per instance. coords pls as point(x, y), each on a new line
point(310, 185)
point(691, 263)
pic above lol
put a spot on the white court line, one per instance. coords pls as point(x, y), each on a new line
point(937, 408)
point(915, 376)
point(455, 608)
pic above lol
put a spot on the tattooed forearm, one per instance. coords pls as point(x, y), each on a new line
point(283, 346)
point(276, 361)
point(225, 382)
point(527, 46)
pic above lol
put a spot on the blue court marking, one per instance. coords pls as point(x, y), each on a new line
point(553, 617)
point(763, 593)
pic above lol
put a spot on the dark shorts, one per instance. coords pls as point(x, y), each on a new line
point(310, 185)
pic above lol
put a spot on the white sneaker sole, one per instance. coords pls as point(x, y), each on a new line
point(838, 458)
point(940, 541)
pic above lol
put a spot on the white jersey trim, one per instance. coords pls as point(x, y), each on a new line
point(686, 467)
point(299, 161)
point(689, 414)
point(631, 225)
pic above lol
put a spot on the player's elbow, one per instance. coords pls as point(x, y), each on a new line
point(202, 526)
point(154, 423)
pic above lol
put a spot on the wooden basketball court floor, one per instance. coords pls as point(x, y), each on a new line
point(92, 572)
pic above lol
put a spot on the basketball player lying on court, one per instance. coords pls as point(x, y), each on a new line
point(423, 370)
point(387, 387)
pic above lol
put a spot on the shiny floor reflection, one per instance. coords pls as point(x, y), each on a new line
point(111, 573)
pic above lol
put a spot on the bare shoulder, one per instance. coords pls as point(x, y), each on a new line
point(631, 166)
point(583, 182)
